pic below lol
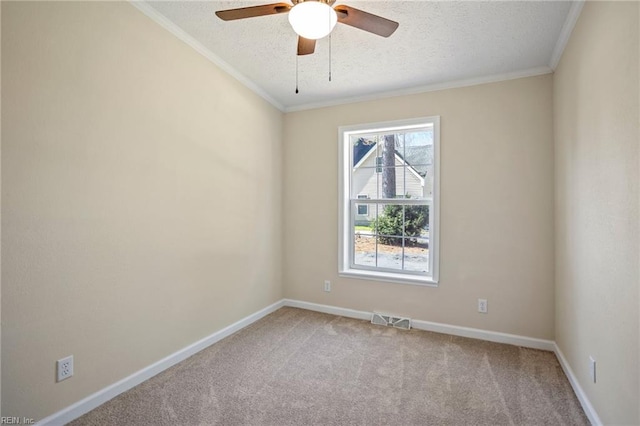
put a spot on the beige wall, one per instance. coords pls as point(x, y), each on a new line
point(123, 239)
point(596, 119)
point(496, 207)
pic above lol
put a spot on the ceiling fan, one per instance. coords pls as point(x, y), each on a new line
point(315, 19)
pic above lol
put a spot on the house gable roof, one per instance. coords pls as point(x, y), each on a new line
point(412, 156)
point(412, 169)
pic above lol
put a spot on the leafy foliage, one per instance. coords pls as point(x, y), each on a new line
point(390, 223)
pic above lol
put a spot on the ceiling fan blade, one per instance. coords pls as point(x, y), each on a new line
point(252, 11)
point(365, 21)
point(306, 46)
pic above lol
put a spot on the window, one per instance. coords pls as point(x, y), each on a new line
point(391, 233)
point(363, 209)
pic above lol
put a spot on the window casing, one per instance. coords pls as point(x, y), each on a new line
point(396, 164)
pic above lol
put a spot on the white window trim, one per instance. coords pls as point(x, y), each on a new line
point(344, 219)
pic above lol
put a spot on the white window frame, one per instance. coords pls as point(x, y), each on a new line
point(346, 206)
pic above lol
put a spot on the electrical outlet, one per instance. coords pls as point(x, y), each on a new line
point(65, 368)
point(592, 368)
point(482, 306)
point(327, 286)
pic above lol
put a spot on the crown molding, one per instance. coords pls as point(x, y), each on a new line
point(168, 25)
point(494, 78)
point(565, 33)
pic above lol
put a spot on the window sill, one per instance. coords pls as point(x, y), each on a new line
point(389, 277)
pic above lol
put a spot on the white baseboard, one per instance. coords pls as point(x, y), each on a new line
point(491, 336)
point(474, 333)
point(327, 309)
point(582, 397)
point(93, 401)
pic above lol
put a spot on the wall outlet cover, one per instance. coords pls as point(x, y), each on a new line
point(64, 368)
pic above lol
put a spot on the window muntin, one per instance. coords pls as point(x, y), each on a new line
point(395, 164)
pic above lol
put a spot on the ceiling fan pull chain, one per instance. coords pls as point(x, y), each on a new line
point(296, 74)
point(329, 57)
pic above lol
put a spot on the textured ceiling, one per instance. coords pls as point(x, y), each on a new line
point(437, 43)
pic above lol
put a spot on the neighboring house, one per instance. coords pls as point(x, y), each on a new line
point(367, 179)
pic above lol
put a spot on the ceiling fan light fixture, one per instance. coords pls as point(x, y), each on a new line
point(312, 19)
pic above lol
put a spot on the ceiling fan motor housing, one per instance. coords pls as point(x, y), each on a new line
point(312, 19)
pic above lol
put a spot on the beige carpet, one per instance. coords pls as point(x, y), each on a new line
point(297, 367)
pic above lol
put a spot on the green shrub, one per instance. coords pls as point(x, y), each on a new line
point(390, 223)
